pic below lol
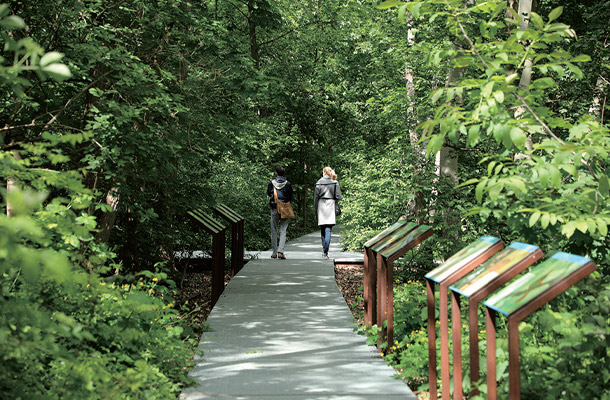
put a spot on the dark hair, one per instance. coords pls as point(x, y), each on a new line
point(280, 171)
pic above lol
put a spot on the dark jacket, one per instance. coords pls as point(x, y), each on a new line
point(284, 190)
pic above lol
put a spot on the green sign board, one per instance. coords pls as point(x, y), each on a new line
point(389, 240)
point(392, 228)
point(539, 279)
point(492, 268)
point(461, 258)
point(402, 243)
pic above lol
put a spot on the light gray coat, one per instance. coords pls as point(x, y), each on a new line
point(327, 190)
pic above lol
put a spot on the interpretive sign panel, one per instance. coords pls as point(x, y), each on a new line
point(391, 239)
point(492, 268)
point(539, 279)
point(385, 232)
point(475, 286)
point(461, 258)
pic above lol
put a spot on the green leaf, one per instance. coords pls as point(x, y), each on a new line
point(486, 91)
point(490, 167)
point(511, 78)
point(555, 176)
point(581, 58)
point(544, 220)
point(12, 22)
point(57, 71)
point(568, 229)
point(575, 70)
point(499, 96)
point(401, 13)
point(544, 83)
point(518, 137)
point(436, 95)
point(536, 20)
point(51, 58)
point(389, 4)
point(534, 218)
point(553, 15)
point(602, 227)
point(479, 191)
point(3, 10)
point(435, 144)
point(495, 191)
point(582, 226)
point(473, 135)
point(414, 9)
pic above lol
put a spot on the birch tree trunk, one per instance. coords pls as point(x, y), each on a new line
point(599, 99)
point(419, 204)
point(524, 10)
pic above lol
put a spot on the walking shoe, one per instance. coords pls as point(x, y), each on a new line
point(325, 256)
point(281, 256)
point(273, 255)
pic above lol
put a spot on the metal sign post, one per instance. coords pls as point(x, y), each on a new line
point(521, 298)
point(446, 274)
point(475, 286)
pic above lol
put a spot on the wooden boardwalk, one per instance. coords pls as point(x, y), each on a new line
point(282, 330)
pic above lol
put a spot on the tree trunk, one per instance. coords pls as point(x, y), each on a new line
point(524, 11)
point(599, 99)
point(419, 152)
point(107, 220)
point(254, 51)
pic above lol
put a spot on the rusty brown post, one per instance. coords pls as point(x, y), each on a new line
point(444, 333)
point(217, 230)
point(218, 266)
point(370, 287)
point(456, 330)
point(490, 326)
point(477, 285)
point(520, 299)
point(370, 272)
point(382, 296)
point(432, 377)
point(446, 274)
point(514, 378)
point(385, 280)
point(237, 236)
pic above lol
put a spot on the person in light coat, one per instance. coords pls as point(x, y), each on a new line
point(326, 194)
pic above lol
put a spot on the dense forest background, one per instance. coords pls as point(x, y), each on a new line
point(119, 117)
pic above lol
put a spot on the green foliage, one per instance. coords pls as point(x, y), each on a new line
point(409, 352)
point(65, 330)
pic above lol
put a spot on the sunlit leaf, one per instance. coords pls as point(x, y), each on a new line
point(534, 218)
point(553, 15)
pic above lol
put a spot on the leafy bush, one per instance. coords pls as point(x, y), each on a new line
point(69, 327)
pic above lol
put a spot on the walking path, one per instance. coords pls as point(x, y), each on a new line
point(282, 330)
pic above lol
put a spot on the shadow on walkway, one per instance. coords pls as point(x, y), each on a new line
point(282, 330)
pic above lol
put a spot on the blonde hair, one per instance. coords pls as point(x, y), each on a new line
point(330, 172)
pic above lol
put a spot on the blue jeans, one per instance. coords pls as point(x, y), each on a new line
point(325, 232)
point(283, 226)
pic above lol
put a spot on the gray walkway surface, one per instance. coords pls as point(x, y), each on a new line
point(282, 330)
